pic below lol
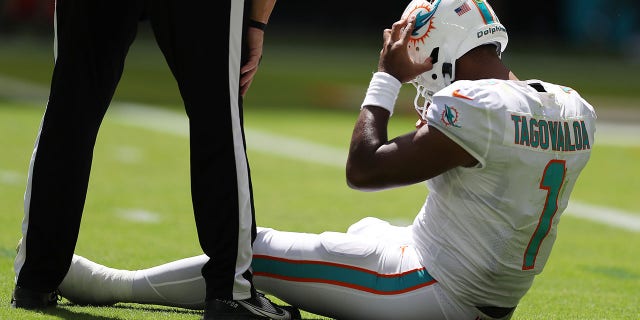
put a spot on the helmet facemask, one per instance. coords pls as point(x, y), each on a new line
point(428, 83)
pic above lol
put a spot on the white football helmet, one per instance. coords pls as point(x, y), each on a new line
point(446, 30)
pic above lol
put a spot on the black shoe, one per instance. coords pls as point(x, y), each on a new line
point(28, 299)
point(256, 307)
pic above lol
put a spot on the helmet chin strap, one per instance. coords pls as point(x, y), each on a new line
point(447, 73)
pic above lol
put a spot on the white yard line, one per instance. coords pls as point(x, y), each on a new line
point(616, 134)
point(176, 123)
point(609, 216)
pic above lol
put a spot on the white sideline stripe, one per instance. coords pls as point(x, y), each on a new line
point(619, 135)
point(12, 87)
point(609, 216)
point(176, 123)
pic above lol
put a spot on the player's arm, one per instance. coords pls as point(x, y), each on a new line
point(374, 162)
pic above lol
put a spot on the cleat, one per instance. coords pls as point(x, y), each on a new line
point(24, 298)
point(256, 307)
point(28, 299)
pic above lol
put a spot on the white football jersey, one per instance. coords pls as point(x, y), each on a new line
point(485, 232)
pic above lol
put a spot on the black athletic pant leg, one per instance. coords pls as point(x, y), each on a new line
point(201, 42)
point(92, 39)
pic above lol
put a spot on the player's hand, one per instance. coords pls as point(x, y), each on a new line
point(394, 56)
point(255, 40)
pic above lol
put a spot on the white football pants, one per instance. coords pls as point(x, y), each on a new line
point(370, 272)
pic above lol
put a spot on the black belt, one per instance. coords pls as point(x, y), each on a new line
point(496, 312)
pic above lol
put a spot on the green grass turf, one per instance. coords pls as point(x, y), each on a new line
point(593, 272)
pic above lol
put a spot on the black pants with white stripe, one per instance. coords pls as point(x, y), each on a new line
point(201, 42)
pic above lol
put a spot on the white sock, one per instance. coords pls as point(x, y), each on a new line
point(91, 283)
point(176, 284)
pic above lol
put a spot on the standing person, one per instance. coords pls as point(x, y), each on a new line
point(213, 49)
point(500, 157)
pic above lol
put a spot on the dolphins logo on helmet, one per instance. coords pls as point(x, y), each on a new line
point(423, 14)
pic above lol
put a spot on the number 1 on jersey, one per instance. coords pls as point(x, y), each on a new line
point(552, 179)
